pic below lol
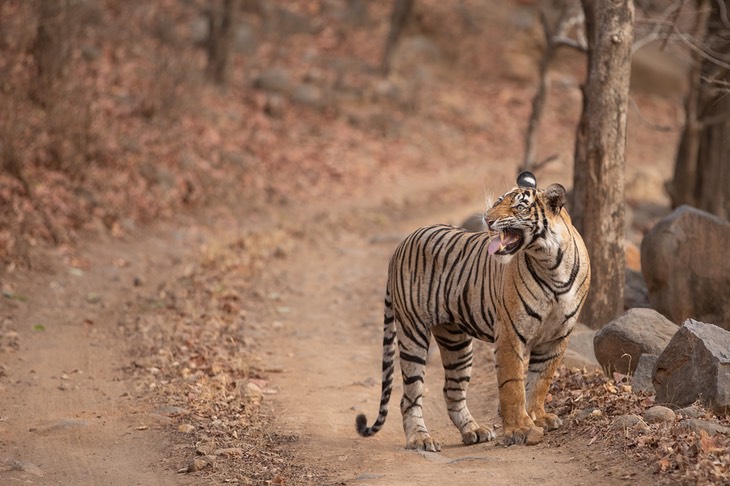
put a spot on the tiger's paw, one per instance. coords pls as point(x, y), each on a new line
point(523, 435)
point(479, 434)
point(421, 441)
point(549, 421)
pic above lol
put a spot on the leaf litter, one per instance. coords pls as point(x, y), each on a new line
point(195, 357)
point(594, 404)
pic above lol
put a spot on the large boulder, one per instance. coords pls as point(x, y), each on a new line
point(695, 365)
point(620, 343)
point(686, 268)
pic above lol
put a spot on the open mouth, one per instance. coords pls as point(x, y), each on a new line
point(505, 243)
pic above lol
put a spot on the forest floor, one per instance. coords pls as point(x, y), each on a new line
point(234, 340)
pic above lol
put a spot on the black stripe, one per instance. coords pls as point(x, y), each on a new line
point(412, 379)
point(528, 309)
point(453, 345)
point(509, 380)
point(411, 358)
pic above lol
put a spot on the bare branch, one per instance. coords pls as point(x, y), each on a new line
point(550, 158)
point(644, 121)
point(723, 13)
point(568, 42)
point(702, 52)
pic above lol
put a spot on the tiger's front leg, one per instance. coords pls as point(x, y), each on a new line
point(544, 360)
point(519, 428)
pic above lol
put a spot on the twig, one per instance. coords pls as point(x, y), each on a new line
point(646, 122)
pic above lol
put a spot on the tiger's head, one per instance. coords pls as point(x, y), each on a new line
point(525, 218)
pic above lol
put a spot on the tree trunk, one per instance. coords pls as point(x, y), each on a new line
point(398, 17)
point(598, 184)
point(52, 47)
point(221, 19)
point(702, 172)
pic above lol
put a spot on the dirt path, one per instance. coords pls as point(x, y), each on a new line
point(69, 414)
point(332, 337)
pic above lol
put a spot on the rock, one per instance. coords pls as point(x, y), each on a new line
point(587, 413)
point(658, 413)
point(186, 428)
point(710, 428)
point(310, 95)
point(629, 421)
point(620, 343)
point(474, 223)
point(254, 392)
point(641, 381)
point(275, 80)
point(635, 292)
point(691, 412)
point(687, 272)
point(580, 352)
point(244, 39)
point(198, 464)
point(695, 365)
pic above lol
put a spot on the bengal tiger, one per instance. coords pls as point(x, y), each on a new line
point(520, 283)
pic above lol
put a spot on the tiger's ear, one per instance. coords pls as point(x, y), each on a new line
point(526, 180)
point(555, 197)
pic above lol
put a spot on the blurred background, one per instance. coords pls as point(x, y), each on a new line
point(116, 113)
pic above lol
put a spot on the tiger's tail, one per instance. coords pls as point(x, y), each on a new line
point(389, 343)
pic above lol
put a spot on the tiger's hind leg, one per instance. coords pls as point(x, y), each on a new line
point(457, 357)
point(413, 347)
point(544, 360)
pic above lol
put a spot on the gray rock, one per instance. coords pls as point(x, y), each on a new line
point(635, 292)
point(710, 428)
point(580, 352)
point(586, 413)
point(687, 272)
point(695, 365)
point(244, 39)
point(475, 223)
point(629, 421)
point(641, 381)
point(309, 95)
point(275, 80)
point(691, 412)
point(658, 413)
point(620, 343)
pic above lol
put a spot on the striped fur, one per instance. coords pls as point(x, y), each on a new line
point(520, 284)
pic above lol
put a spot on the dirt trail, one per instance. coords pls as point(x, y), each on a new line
point(69, 414)
point(332, 342)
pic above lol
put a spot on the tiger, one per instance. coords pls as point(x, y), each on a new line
point(520, 283)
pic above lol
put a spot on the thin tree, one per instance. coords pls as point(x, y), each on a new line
point(398, 17)
point(52, 47)
point(598, 180)
point(702, 164)
point(556, 34)
point(221, 22)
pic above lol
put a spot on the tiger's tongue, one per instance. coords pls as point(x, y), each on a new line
point(499, 243)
